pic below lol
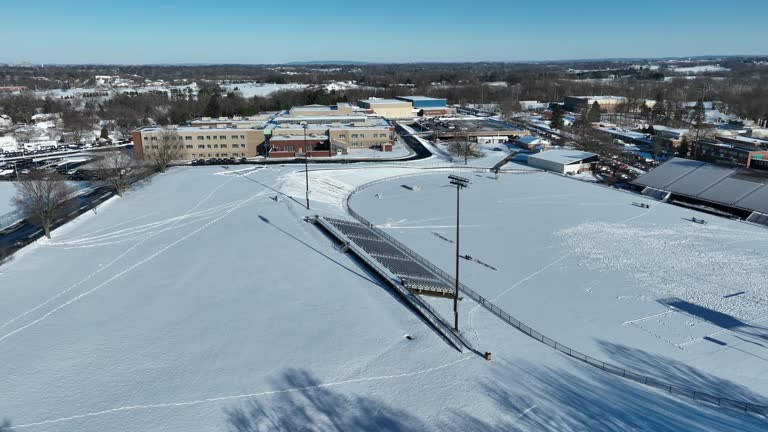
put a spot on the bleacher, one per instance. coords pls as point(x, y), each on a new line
point(415, 276)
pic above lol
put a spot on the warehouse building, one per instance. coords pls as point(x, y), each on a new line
point(607, 103)
point(424, 102)
point(564, 161)
point(732, 191)
point(202, 142)
point(388, 108)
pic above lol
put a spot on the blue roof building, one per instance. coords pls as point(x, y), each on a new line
point(424, 101)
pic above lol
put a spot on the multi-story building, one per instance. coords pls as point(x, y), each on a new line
point(203, 142)
point(285, 139)
point(329, 130)
point(729, 153)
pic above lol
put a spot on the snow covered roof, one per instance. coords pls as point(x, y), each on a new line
point(531, 139)
point(735, 187)
point(562, 156)
point(382, 101)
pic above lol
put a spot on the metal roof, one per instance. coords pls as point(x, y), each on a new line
point(668, 173)
point(564, 156)
point(735, 187)
point(420, 98)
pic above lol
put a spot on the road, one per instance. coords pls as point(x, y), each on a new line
point(25, 232)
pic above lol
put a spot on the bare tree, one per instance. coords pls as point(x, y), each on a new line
point(118, 169)
point(164, 150)
point(77, 123)
point(42, 196)
point(509, 106)
point(24, 134)
point(462, 149)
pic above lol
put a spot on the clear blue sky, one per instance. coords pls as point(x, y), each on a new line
point(277, 31)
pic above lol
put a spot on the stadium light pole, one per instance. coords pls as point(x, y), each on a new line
point(460, 183)
point(306, 157)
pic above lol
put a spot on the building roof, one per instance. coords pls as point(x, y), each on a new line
point(420, 98)
point(563, 156)
point(382, 101)
point(531, 139)
point(734, 187)
point(599, 98)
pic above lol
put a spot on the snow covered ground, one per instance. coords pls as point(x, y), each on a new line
point(644, 289)
point(701, 69)
point(202, 301)
point(257, 89)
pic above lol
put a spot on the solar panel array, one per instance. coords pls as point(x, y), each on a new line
point(734, 187)
point(414, 276)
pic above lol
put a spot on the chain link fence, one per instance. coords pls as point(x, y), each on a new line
point(504, 316)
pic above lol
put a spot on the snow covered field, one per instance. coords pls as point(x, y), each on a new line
point(644, 289)
point(701, 69)
point(257, 89)
point(202, 301)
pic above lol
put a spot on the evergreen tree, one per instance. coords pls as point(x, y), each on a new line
point(684, 147)
point(594, 113)
point(698, 117)
point(557, 117)
point(213, 108)
point(645, 112)
point(104, 133)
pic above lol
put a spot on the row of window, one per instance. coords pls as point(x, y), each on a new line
point(210, 155)
point(199, 137)
point(209, 137)
point(362, 135)
point(202, 146)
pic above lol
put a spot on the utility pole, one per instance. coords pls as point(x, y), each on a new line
point(306, 156)
point(460, 183)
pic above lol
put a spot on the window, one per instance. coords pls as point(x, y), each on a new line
point(215, 137)
point(215, 146)
point(289, 148)
point(208, 137)
point(217, 155)
point(354, 135)
point(362, 135)
point(234, 136)
point(201, 146)
point(242, 136)
point(224, 146)
point(200, 137)
point(208, 145)
point(188, 138)
point(223, 137)
point(342, 136)
point(190, 146)
point(194, 155)
point(154, 138)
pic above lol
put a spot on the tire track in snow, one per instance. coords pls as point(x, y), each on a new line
point(129, 269)
point(90, 276)
point(244, 396)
